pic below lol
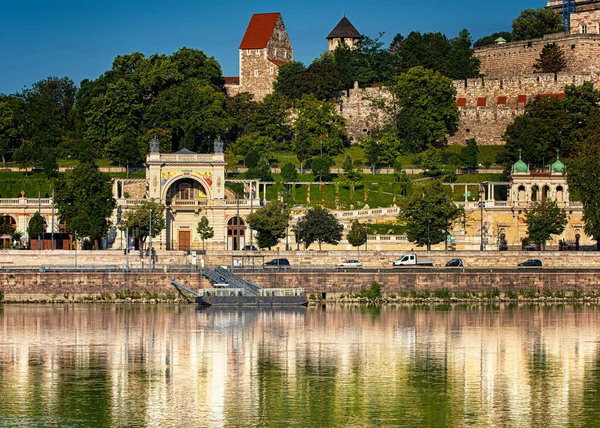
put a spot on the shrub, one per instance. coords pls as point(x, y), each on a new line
point(511, 294)
point(1, 295)
point(529, 294)
point(462, 295)
point(442, 293)
point(548, 293)
point(560, 294)
point(577, 294)
point(490, 294)
point(372, 293)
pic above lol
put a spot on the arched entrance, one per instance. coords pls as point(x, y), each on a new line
point(186, 191)
point(8, 225)
point(236, 233)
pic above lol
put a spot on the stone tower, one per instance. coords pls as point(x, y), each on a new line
point(264, 48)
point(586, 17)
point(345, 33)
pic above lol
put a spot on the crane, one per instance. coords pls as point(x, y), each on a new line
point(568, 7)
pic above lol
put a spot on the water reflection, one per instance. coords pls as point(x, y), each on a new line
point(415, 365)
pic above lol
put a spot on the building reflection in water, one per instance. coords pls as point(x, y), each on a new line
point(442, 365)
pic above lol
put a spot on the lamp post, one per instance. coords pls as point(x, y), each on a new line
point(150, 241)
point(287, 223)
point(75, 249)
point(119, 214)
point(429, 234)
point(481, 196)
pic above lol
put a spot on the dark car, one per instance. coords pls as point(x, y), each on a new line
point(531, 262)
point(455, 263)
point(277, 262)
point(250, 248)
point(530, 248)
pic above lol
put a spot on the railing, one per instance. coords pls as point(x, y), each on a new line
point(187, 202)
point(187, 158)
point(282, 292)
point(131, 268)
point(236, 281)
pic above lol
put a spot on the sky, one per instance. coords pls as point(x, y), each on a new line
point(80, 38)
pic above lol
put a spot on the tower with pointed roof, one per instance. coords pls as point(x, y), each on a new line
point(264, 48)
point(343, 33)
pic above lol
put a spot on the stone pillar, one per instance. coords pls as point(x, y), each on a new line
point(466, 194)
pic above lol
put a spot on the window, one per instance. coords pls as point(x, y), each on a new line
point(285, 54)
point(255, 73)
point(247, 52)
point(257, 52)
point(584, 29)
point(275, 52)
point(271, 70)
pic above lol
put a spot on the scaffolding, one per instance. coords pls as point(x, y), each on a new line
point(568, 7)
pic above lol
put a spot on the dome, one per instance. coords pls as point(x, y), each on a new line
point(520, 166)
point(557, 166)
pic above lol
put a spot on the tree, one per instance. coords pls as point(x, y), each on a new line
point(26, 155)
point(351, 170)
point(270, 223)
point(321, 167)
point(422, 109)
point(288, 77)
point(468, 155)
point(543, 220)
point(432, 162)
point(427, 50)
point(230, 159)
point(124, 150)
point(461, 62)
point(204, 230)
point(251, 159)
point(534, 24)
point(140, 218)
point(262, 144)
point(321, 80)
point(372, 151)
point(262, 170)
point(84, 201)
point(491, 39)
point(583, 176)
point(429, 213)
point(289, 172)
point(551, 60)
point(318, 128)
point(35, 228)
point(50, 165)
point(319, 225)
point(8, 129)
point(357, 235)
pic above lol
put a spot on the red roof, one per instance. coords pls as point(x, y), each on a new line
point(259, 30)
point(231, 80)
point(277, 63)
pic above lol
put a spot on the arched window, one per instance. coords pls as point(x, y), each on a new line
point(535, 191)
point(521, 194)
point(560, 194)
point(236, 233)
point(545, 192)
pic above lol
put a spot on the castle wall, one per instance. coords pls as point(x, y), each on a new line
point(582, 52)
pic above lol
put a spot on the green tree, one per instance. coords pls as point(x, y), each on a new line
point(262, 144)
point(535, 23)
point(427, 50)
point(272, 118)
point(543, 220)
point(288, 78)
point(140, 217)
point(262, 170)
point(372, 151)
point(468, 155)
point(583, 176)
point(8, 129)
point(270, 223)
point(551, 60)
point(36, 227)
point(204, 230)
point(251, 159)
point(289, 172)
point(317, 127)
point(50, 165)
point(433, 162)
point(351, 170)
point(321, 167)
point(321, 80)
point(491, 39)
point(429, 212)
point(422, 109)
point(461, 62)
point(124, 150)
point(84, 201)
point(319, 225)
point(26, 155)
point(404, 183)
point(357, 235)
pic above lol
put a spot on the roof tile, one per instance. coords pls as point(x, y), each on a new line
point(259, 30)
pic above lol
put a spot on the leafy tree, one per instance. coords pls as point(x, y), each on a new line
point(372, 151)
point(262, 170)
point(317, 127)
point(543, 220)
point(288, 78)
point(583, 176)
point(8, 129)
point(230, 159)
point(433, 162)
point(242, 110)
point(124, 150)
point(164, 137)
point(252, 158)
point(50, 165)
point(351, 170)
point(551, 60)
point(430, 206)
point(491, 39)
point(321, 167)
point(534, 24)
point(84, 201)
point(461, 62)
point(289, 172)
point(405, 184)
point(357, 235)
point(468, 155)
point(270, 223)
point(422, 110)
point(321, 80)
point(271, 118)
point(319, 225)
point(428, 50)
point(204, 230)
point(139, 219)
point(26, 155)
point(6, 228)
point(35, 227)
point(262, 144)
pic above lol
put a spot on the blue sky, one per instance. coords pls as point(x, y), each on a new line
point(80, 38)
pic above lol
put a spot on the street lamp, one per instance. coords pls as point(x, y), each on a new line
point(429, 234)
point(481, 203)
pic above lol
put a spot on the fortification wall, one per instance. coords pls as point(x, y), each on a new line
point(582, 52)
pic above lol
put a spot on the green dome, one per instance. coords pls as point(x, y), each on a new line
point(520, 166)
point(557, 166)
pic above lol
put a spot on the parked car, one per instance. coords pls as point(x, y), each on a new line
point(530, 248)
point(531, 262)
point(455, 263)
point(277, 262)
point(411, 260)
point(350, 263)
point(250, 248)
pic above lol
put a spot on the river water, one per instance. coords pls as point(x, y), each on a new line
point(114, 365)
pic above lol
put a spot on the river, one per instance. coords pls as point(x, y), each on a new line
point(414, 365)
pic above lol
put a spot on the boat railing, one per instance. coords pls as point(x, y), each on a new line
point(281, 292)
point(223, 292)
